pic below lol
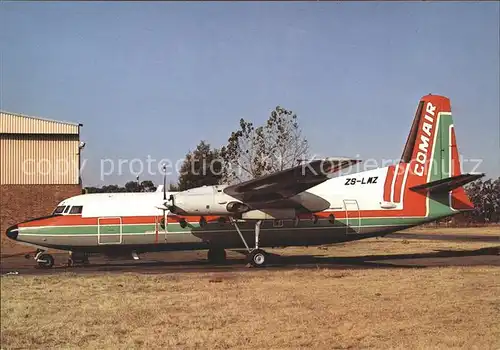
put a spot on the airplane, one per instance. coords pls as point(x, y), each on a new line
point(307, 205)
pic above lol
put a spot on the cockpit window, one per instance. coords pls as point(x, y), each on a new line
point(59, 209)
point(66, 210)
point(76, 209)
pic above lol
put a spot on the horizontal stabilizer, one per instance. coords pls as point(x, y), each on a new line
point(447, 185)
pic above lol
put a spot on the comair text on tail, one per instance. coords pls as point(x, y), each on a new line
point(432, 155)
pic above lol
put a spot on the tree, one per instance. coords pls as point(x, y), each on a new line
point(255, 151)
point(485, 195)
point(173, 188)
point(131, 186)
point(203, 166)
point(148, 186)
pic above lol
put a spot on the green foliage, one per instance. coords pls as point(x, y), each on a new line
point(256, 151)
point(173, 188)
point(485, 195)
point(203, 166)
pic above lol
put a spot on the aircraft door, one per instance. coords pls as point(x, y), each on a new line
point(353, 220)
point(109, 230)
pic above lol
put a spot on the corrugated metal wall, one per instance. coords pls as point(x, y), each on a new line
point(20, 124)
point(39, 159)
point(35, 151)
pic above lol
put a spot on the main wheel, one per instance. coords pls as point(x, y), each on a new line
point(77, 259)
point(86, 260)
point(45, 261)
point(216, 255)
point(257, 258)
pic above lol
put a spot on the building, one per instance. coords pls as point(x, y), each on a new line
point(39, 167)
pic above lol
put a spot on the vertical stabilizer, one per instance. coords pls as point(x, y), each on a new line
point(431, 153)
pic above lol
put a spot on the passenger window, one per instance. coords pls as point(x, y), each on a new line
point(76, 209)
point(59, 209)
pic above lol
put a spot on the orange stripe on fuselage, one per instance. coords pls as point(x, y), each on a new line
point(78, 220)
point(68, 220)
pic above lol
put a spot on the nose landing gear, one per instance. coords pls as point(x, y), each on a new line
point(44, 260)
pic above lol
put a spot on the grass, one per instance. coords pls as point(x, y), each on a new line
point(428, 308)
point(381, 308)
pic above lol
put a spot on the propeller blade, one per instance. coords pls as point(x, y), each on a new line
point(171, 203)
point(164, 183)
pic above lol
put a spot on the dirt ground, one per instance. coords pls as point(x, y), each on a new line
point(409, 251)
point(450, 307)
point(480, 230)
point(377, 293)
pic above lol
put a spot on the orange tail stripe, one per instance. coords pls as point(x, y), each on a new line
point(398, 186)
point(388, 183)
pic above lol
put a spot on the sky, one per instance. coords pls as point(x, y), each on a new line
point(150, 80)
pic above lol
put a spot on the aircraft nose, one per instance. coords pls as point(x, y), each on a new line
point(12, 232)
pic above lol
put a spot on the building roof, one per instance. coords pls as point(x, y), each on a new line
point(15, 123)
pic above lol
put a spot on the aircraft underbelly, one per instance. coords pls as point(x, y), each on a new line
point(229, 238)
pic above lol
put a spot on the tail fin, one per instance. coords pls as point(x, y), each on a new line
point(430, 143)
point(432, 154)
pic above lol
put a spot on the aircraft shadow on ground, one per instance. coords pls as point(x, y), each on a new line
point(280, 261)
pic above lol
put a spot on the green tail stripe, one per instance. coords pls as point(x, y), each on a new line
point(439, 203)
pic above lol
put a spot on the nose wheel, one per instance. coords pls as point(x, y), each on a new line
point(45, 261)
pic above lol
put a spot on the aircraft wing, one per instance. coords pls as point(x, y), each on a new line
point(287, 183)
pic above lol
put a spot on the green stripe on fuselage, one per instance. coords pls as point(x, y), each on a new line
point(86, 230)
point(176, 228)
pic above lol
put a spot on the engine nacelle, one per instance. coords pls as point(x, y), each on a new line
point(237, 207)
point(205, 200)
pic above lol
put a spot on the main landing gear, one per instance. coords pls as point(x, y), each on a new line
point(44, 260)
point(77, 258)
point(256, 256)
point(217, 255)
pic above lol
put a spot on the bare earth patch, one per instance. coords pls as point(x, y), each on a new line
point(477, 231)
point(384, 246)
point(377, 308)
